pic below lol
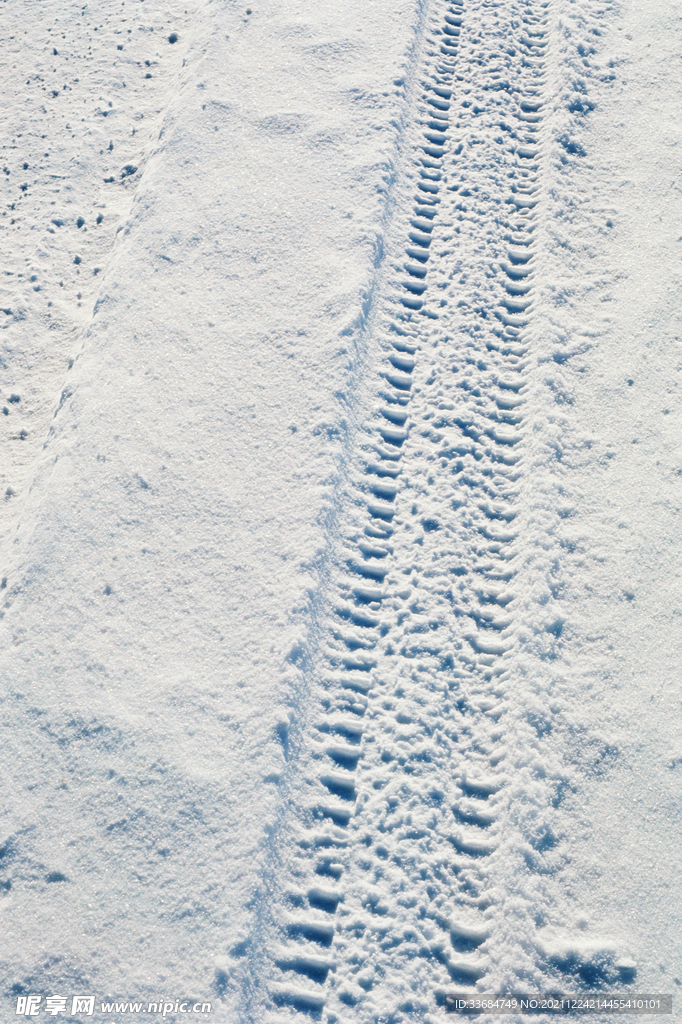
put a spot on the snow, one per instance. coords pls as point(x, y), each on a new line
point(340, 534)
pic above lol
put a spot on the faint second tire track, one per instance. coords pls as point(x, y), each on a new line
point(77, 136)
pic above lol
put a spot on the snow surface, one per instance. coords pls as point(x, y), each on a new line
point(342, 477)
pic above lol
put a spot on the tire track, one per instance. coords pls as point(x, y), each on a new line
point(355, 628)
point(392, 891)
point(440, 698)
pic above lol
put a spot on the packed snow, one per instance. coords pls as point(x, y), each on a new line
point(341, 599)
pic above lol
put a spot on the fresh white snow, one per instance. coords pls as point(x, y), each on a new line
point(341, 486)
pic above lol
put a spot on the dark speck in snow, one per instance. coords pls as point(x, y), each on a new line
point(173, 37)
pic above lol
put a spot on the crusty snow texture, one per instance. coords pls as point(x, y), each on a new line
point(341, 485)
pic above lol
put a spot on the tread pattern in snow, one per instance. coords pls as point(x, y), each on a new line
point(392, 896)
